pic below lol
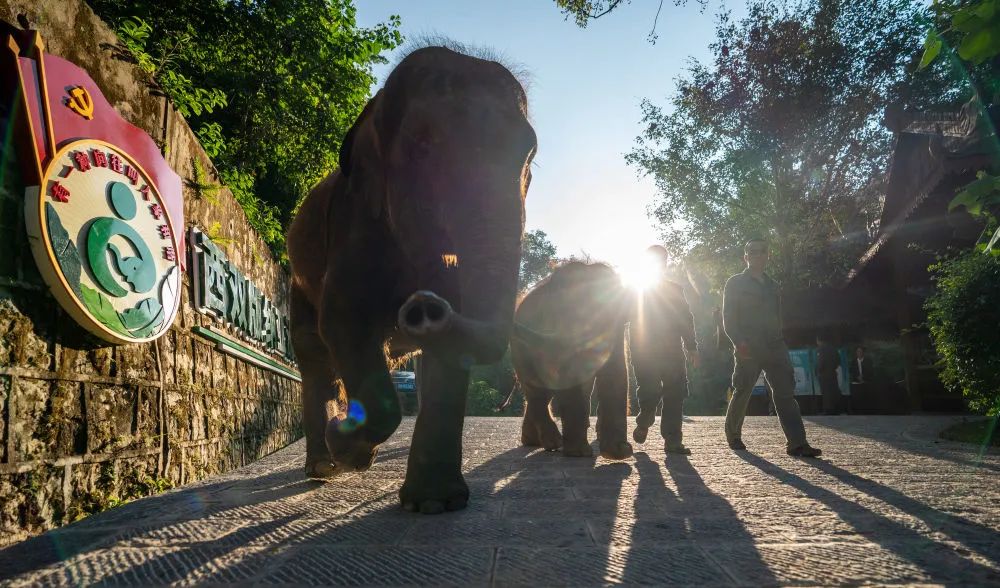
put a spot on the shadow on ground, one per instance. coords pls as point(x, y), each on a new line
point(535, 518)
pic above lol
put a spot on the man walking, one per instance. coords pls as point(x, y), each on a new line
point(661, 323)
point(752, 319)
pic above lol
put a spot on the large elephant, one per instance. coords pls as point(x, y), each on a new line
point(414, 243)
point(569, 340)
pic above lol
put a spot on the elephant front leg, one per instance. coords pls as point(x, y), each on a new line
point(434, 481)
point(611, 387)
point(372, 409)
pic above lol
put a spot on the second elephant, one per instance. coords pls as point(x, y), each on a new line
point(569, 341)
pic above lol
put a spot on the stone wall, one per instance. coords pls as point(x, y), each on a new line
point(84, 425)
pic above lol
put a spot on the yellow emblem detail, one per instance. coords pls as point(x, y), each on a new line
point(450, 260)
point(80, 102)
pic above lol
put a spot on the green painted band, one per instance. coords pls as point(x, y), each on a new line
point(238, 347)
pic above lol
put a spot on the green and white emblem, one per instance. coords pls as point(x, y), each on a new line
point(102, 238)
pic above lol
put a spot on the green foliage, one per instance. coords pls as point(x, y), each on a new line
point(974, 28)
point(201, 184)
point(483, 400)
point(271, 87)
point(963, 314)
point(538, 255)
point(583, 11)
point(779, 136)
point(161, 63)
point(490, 384)
point(264, 218)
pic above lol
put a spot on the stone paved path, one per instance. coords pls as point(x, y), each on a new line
point(888, 504)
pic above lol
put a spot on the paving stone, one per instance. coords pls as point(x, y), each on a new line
point(680, 564)
point(886, 505)
point(455, 566)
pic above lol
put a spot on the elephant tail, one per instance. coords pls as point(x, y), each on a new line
point(510, 395)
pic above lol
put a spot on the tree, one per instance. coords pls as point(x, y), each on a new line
point(270, 86)
point(779, 136)
point(963, 314)
point(538, 255)
point(970, 30)
point(584, 11)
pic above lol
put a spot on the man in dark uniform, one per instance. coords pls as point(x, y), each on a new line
point(863, 390)
point(661, 322)
point(751, 315)
point(827, 360)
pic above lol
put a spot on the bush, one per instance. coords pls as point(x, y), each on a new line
point(963, 315)
point(483, 400)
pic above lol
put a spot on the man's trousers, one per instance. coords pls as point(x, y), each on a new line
point(777, 369)
point(666, 381)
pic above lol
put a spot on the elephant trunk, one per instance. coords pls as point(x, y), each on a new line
point(431, 321)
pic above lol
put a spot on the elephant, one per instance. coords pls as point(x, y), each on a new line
point(413, 244)
point(569, 340)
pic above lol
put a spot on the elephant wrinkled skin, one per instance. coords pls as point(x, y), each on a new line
point(414, 243)
point(569, 340)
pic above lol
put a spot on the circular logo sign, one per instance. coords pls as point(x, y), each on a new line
point(104, 243)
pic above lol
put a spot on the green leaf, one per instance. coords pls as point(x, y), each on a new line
point(100, 308)
point(144, 319)
point(984, 191)
point(932, 46)
point(987, 10)
point(979, 46)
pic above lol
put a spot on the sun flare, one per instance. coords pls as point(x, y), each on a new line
point(641, 273)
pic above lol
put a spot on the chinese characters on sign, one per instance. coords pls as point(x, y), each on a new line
point(223, 292)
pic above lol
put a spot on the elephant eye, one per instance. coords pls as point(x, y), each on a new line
point(418, 144)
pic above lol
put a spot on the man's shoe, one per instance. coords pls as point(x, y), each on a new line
point(737, 445)
point(677, 449)
point(639, 434)
point(805, 451)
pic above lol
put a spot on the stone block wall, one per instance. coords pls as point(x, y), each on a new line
point(84, 425)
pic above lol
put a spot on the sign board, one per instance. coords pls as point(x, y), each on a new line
point(103, 209)
point(223, 292)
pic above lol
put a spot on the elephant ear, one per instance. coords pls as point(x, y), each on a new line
point(361, 159)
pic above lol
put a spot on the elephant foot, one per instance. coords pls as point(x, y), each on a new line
point(619, 450)
point(320, 468)
point(350, 451)
point(551, 437)
point(434, 488)
point(545, 435)
point(577, 449)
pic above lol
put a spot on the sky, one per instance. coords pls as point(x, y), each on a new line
point(584, 95)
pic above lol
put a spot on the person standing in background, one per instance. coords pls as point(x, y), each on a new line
point(827, 361)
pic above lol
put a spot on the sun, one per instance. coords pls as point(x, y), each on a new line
point(640, 273)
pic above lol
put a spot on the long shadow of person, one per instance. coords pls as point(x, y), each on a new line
point(924, 445)
point(970, 535)
point(860, 561)
point(693, 528)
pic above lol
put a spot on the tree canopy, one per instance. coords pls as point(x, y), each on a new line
point(779, 136)
point(270, 86)
point(538, 255)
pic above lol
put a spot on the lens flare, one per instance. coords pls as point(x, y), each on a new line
point(354, 419)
